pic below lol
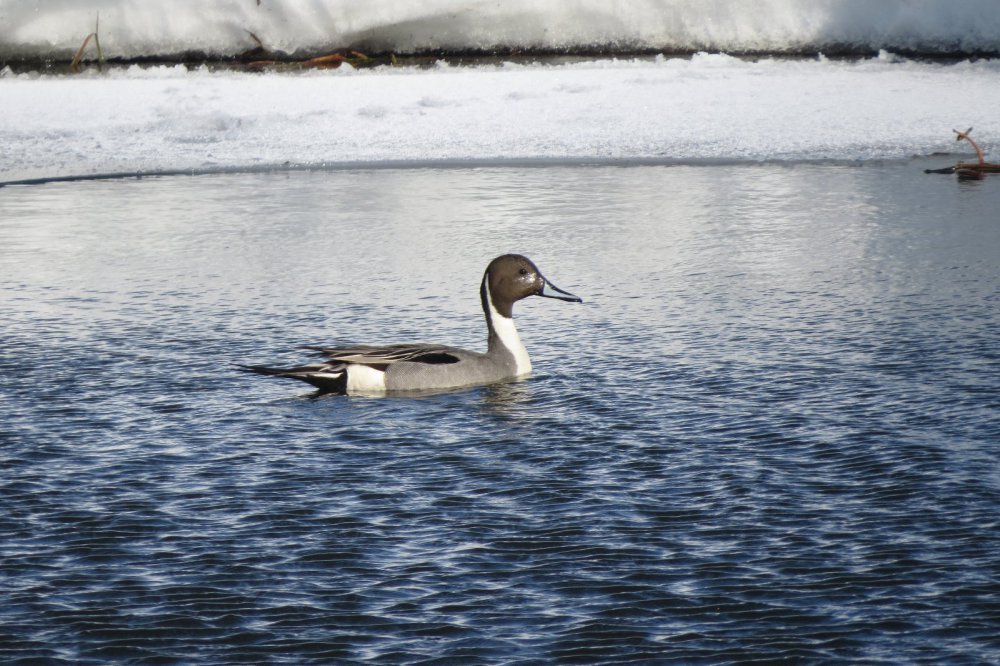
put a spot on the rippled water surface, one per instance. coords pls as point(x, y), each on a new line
point(772, 431)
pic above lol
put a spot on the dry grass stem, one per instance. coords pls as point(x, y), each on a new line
point(75, 64)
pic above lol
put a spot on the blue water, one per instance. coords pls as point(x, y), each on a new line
point(772, 432)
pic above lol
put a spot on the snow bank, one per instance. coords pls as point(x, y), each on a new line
point(132, 28)
point(709, 107)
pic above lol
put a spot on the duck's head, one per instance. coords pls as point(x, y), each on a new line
point(511, 277)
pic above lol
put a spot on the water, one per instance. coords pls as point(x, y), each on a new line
point(769, 433)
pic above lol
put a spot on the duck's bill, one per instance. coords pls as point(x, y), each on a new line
point(549, 290)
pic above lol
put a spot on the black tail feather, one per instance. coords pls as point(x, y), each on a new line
point(260, 369)
point(327, 380)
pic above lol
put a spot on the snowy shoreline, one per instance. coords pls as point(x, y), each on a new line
point(666, 110)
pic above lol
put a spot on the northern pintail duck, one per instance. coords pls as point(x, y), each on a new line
point(419, 367)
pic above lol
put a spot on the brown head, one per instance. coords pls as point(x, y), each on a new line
point(511, 277)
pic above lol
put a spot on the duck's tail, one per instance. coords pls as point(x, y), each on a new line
point(328, 378)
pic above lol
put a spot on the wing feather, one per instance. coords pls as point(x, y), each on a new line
point(388, 354)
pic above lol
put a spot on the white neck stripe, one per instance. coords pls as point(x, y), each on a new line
point(506, 332)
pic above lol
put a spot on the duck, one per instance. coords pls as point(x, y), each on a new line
point(409, 367)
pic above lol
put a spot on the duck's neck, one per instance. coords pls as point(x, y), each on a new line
point(503, 335)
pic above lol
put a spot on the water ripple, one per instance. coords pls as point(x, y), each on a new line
point(750, 461)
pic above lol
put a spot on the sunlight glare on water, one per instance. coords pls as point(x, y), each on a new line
point(769, 432)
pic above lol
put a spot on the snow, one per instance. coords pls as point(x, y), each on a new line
point(662, 109)
point(709, 107)
point(130, 28)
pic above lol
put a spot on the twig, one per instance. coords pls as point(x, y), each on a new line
point(965, 135)
point(256, 39)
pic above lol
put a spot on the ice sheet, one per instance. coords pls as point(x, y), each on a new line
point(672, 109)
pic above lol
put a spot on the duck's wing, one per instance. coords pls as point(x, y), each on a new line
point(331, 374)
point(384, 356)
